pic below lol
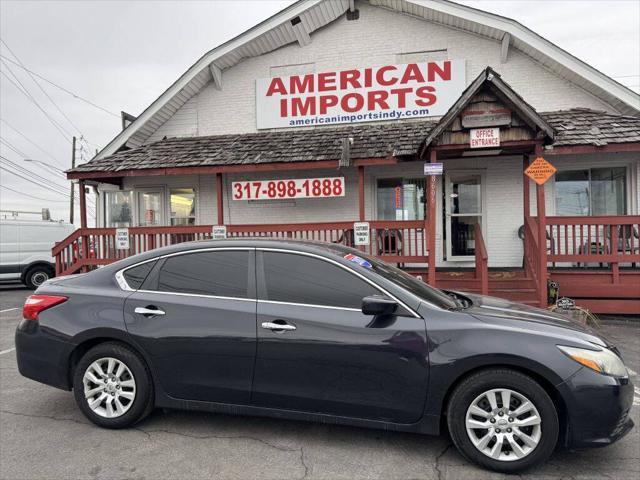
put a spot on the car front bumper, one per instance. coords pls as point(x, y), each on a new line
point(41, 356)
point(598, 408)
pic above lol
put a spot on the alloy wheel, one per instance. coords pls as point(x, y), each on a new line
point(109, 387)
point(503, 424)
point(39, 278)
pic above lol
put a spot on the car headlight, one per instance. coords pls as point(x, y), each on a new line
point(602, 361)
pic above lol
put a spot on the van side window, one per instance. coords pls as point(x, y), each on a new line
point(300, 279)
point(135, 276)
point(221, 274)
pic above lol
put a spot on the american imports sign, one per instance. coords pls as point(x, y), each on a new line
point(388, 92)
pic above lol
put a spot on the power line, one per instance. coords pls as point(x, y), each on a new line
point(32, 196)
point(62, 88)
point(40, 87)
point(15, 149)
point(26, 93)
point(30, 141)
point(39, 179)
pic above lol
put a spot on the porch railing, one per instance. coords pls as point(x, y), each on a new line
point(402, 242)
point(600, 240)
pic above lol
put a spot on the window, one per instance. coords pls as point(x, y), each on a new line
point(183, 206)
point(222, 274)
point(135, 276)
point(118, 209)
point(299, 279)
point(595, 191)
point(401, 199)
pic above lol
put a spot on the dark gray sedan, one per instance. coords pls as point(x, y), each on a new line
point(320, 332)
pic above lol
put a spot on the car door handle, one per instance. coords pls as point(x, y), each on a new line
point(277, 326)
point(146, 311)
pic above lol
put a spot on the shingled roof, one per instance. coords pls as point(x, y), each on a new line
point(573, 127)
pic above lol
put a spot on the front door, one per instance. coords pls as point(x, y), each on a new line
point(195, 315)
point(463, 209)
point(329, 357)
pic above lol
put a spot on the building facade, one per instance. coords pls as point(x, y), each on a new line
point(326, 114)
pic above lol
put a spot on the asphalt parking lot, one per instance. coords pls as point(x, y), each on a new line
point(43, 435)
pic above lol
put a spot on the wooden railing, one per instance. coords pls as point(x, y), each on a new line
point(602, 240)
point(393, 241)
point(482, 260)
point(534, 263)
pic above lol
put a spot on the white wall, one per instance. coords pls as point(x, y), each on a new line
point(378, 37)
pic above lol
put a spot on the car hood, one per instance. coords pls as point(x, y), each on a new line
point(493, 309)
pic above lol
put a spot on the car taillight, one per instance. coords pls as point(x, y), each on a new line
point(39, 303)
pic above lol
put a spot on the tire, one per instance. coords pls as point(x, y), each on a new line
point(130, 395)
point(511, 427)
point(37, 275)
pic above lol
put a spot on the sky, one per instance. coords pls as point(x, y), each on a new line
point(121, 55)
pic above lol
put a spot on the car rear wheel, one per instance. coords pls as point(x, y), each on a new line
point(112, 386)
point(37, 275)
point(503, 420)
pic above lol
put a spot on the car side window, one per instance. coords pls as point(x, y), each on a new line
point(217, 273)
point(135, 276)
point(296, 278)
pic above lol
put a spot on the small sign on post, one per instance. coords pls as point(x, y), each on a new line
point(361, 233)
point(433, 168)
point(219, 232)
point(122, 238)
point(540, 171)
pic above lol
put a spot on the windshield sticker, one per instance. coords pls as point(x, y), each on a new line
point(355, 259)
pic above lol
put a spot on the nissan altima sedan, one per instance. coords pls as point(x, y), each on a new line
point(320, 332)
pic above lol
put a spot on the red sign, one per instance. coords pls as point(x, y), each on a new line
point(289, 188)
point(540, 171)
point(398, 197)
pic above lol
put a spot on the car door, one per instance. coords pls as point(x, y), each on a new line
point(328, 357)
point(195, 316)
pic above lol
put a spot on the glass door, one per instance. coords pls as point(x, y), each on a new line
point(463, 209)
point(150, 211)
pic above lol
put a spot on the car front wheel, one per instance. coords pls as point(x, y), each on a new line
point(503, 420)
point(112, 386)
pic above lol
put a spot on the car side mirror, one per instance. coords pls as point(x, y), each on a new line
point(375, 305)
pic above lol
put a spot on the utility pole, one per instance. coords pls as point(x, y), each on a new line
point(73, 165)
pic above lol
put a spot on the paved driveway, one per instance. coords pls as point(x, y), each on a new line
point(43, 435)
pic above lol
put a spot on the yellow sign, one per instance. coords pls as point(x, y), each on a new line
point(540, 171)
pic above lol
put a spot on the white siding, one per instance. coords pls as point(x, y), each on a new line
point(378, 37)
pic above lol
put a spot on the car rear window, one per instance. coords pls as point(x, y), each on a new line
point(220, 274)
point(135, 276)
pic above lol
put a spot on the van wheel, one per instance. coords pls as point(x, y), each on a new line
point(503, 420)
point(37, 275)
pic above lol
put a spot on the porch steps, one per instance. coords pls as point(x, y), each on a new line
point(510, 285)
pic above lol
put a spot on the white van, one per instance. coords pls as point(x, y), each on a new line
point(25, 249)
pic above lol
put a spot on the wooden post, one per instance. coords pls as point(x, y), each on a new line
point(73, 165)
point(430, 221)
point(219, 194)
point(83, 205)
point(361, 193)
point(526, 199)
point(542, 239)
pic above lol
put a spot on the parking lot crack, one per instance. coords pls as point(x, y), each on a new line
point(221, 437)
point(438, 458)
point(304, 464)
point(50, 417)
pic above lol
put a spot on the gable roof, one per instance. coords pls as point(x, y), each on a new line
point(372, 140)
point(490, 78)
point(278, 31)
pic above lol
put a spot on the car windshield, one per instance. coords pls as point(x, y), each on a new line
point(408, 282)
